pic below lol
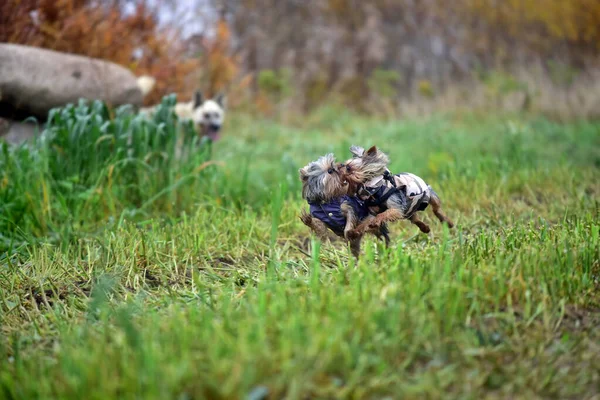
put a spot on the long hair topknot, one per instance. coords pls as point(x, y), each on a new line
point(321, 180)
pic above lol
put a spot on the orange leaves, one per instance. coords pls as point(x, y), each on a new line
point(220, 67)
point(101, 30)
point(541, 24)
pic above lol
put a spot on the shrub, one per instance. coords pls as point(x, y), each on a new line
point(87, 167)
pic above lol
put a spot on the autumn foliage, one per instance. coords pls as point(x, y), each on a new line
point(376, 53)
point(219, 67)
point(102, 30)
point(544, 27)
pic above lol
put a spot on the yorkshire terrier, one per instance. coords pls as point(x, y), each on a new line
point(331, 208)
point(390, 197)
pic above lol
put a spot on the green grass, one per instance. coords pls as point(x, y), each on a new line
point(168, 280)
point(88, 168)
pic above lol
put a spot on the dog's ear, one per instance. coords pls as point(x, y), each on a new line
point(357, 151)
point(372, 151)
point(221, 100)
point(198, 99)
point(303, 174)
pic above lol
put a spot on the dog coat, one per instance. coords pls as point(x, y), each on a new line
point(417, 191)
point(331, 213)
point(413, 191)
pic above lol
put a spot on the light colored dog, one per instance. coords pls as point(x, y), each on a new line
point(208, 116)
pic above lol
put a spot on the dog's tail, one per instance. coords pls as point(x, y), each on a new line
point(146, 84)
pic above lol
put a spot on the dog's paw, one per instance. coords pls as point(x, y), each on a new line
point(375, 224)
point(352, 234)
point(306, 218)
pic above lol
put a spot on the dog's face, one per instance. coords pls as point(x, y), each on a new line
point(322, 181)
point(364, 165)
point(209, 115)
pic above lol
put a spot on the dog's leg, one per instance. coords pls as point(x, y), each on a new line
point(422, 225)
point(384, 233)
point(349, 231)
point(381, 232)
point(355, 246)
point(436, 207)
point(317, 226)
point(363, 227)
point(350, 216)
point(389, 215)
point(355, 235)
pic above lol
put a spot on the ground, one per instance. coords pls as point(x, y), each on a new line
point(234, 299)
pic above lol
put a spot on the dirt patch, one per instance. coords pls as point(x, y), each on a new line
point(151, 279)
point(577, 319)
point(225, 261)
point(48, 297)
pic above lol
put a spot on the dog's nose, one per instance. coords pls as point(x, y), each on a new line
point(215, 127)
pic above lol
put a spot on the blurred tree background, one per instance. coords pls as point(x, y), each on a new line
point(385, 56)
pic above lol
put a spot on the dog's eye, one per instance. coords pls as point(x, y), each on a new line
point(207, 115)
point(348, 168)
point(330, 171)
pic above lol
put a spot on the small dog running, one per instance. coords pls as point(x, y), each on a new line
point(389, 197)
point(361, 196)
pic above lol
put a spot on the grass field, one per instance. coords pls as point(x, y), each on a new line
point(127, 272)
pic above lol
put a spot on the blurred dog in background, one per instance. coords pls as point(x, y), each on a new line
point(208, 115)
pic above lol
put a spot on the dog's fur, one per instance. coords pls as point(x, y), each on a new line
point(208, 116)
point(365, 173)
point(321, 183)
point(146, 84)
